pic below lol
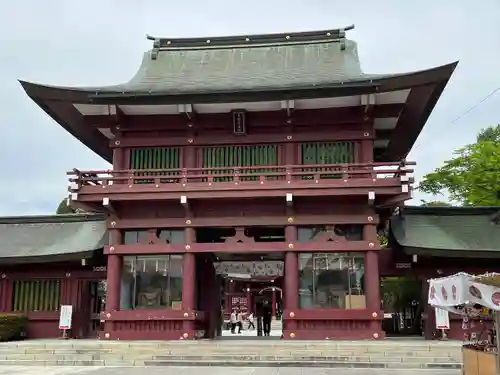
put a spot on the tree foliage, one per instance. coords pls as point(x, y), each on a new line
point(472, 176)
point(64, 208)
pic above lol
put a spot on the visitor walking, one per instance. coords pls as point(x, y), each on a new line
point(239, 321)
point(251, 325)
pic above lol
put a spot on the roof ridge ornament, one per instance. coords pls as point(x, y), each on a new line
point(331, 35)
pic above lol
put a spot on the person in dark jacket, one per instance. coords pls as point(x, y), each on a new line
point(266, 318)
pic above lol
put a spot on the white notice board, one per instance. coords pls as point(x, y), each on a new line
point(442, 319)
point(65, 317)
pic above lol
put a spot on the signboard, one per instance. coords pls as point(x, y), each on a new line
point(403, 265)
point(442, 319)
point(65, 317)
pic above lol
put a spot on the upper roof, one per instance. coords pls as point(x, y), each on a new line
point(451, 231)
point(245, 70)
point(34, 238)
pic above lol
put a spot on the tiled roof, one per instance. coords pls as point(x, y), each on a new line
point(39, 236)
point(447, 228)
point(235, 64)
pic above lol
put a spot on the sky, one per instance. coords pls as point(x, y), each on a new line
point(100, 42)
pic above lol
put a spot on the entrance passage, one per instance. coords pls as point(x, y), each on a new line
point(402, 302)
point(252, 296)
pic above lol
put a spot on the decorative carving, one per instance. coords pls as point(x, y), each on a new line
point(153, 238)
point(330, 234)
point(240, 237)
point(255, 269)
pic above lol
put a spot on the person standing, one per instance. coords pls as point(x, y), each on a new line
point(266, 318)
point(251, 325)
point(239, 321)
point(233, 321)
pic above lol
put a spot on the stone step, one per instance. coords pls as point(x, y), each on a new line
point(280, 353)
point(240, 356)
point(233, 348)
point(236, 363)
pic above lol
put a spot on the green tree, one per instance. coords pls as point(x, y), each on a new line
point(64, 208)
point(472, 176)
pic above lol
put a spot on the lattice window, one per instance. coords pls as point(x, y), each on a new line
point(36, 295)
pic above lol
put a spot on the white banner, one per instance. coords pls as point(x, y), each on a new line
point(462, 289)
point(449, 291)
point(442, 318)
point(65, 317)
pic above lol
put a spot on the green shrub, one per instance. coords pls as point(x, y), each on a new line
point(12, 327)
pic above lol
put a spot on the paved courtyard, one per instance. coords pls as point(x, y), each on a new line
point(33, 370)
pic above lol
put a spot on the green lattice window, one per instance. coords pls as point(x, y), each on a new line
point(239, 156)
point(36, 295)
point(156, 158)
point(327, 153)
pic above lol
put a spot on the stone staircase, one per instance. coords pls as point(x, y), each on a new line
point(277, 326)
point(397, 354)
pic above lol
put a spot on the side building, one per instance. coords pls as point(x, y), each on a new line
point(259, 148)
point(49, 261)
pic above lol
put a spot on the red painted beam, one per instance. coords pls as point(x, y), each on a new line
point(330, 116)
point(389, 186)
point(332, 314)
point(152, 314)
point(230, 139)
point(242, 247)
point(238, 221)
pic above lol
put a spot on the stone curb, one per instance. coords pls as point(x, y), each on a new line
point(321, 364)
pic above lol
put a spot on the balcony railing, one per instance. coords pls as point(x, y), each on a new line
point(185, 179)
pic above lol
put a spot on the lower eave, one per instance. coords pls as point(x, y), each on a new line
point(50, 258)
point(447, 253)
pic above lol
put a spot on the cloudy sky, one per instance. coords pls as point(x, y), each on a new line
point(97, 42)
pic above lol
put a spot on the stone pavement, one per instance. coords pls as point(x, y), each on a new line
point(35, 370)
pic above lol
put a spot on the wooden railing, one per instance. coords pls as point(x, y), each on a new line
point(245, 175)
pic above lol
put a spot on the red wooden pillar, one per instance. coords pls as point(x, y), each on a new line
point(6, 287)
point(372, 283)
point(291, 282)
point(113, 281)
point(114, 273)
point(249, 298)
point(189, 287)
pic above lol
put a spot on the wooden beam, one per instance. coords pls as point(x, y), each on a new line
point(136, 193)
point(326, 116)
point(243, 248)
point(184, 202)
point(243, 221)
point(213, 140)
point(106, 203)
point(395, 200)
point(371, 197)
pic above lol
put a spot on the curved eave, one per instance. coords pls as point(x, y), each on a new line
point(58, 104)
point(452, 253)
point(67, 257)
point(426, 87)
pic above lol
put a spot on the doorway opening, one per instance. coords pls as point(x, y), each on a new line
point(251, 295)
point(403, 306)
